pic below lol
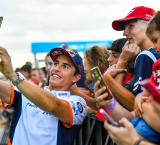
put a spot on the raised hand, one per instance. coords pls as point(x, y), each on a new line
point(101, 96)
point(124, 135)
point(6, 64)
point(129, 52)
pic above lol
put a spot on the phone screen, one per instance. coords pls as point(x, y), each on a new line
point(96, 75)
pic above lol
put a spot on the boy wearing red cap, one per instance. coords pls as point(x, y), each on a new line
point(134, 26)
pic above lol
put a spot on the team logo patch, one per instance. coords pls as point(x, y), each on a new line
point(80, 107)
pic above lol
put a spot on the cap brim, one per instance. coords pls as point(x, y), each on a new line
point(119, 25)
point(54, 55)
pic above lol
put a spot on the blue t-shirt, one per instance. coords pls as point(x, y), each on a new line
point(144, 130)
point(143, 69)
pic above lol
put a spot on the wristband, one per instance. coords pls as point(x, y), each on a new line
point(140, 94)
point(138, 141)
point(112, 106)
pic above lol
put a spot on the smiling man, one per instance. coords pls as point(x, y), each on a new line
point(44, 117)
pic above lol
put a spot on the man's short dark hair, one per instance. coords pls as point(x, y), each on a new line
point(117, 45)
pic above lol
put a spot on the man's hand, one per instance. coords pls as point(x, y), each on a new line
point(130, 50)
point(113, 71)
point(124, 135)
point(139, 100)
point(6, 64)
point(101, 96)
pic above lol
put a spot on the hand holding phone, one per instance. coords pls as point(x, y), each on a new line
point(152, 89)
point(108, 118)
point(96, 75)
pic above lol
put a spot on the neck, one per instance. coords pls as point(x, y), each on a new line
point(146, 44)
point(59, 88)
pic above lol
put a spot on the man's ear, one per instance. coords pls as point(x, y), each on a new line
point(77, 77)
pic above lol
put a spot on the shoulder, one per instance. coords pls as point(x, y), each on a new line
point(77, 99)
point(147, 55)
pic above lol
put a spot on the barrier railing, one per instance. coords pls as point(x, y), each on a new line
point(92, 132)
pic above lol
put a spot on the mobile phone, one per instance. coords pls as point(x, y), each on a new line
point(96, 75)
point(108, 118)
point(152, 89)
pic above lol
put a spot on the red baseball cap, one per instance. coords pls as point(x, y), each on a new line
point(140, 12)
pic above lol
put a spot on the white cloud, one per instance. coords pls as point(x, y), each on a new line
point(59, 20)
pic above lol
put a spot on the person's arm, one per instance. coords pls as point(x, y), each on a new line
point(122, 95)
point(126, 134)
point(114, 72)
point(129, 52)
point(117, 111)
point(143, 142)
point(45, 100)
point(91, 102)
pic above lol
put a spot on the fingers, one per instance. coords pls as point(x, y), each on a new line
point(104, 103)
point(124, 122)
point(138, 113)
point(98, 92)
point(131, 47)
point(114, 71)
point(101, 97)
point(140, 106)
point(112, 130)
point(96, 86)
point(108, 126)
point(3, 52)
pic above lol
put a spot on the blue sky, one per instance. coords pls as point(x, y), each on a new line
point(27, 21)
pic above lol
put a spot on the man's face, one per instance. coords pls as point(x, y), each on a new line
point(113, 57)
point(62, 74)
point(135, 31)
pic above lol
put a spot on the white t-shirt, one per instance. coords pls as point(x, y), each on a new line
point(33, 126)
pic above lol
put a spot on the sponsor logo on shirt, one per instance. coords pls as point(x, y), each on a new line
point(79, 107)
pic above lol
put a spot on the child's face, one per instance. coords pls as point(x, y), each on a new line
point(154, 36)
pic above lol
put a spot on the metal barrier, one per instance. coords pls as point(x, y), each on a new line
point(92, 132)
